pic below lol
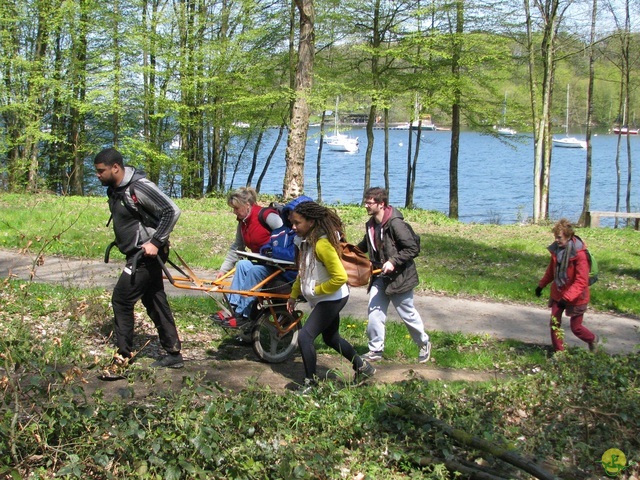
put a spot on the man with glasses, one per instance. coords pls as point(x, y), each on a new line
point(392, 245)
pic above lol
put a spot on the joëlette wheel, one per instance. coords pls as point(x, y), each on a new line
point(268, 343)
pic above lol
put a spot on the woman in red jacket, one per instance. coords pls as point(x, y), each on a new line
point(568, 273)
point(251, 234)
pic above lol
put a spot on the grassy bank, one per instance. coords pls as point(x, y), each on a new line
point(497, 262)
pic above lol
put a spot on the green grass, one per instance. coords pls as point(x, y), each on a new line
point(564, 412)
point(497, 262)
point(450, 349)
point(579, 403)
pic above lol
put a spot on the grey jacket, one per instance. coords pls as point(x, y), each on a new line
point(146, 215)
point(394, 243)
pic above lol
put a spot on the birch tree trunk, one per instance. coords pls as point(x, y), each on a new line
point(293, 184)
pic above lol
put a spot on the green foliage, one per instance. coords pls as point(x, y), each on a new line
point(576, 402)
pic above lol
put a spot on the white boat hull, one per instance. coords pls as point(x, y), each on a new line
point(569, 142)
point(343, 144)
point(425, 127)
point(506, 132)
point(625, 131)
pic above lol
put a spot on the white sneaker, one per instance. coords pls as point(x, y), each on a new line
point(372, 356)
point(425, 353)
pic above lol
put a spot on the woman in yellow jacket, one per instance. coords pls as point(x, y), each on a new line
point(322, 280)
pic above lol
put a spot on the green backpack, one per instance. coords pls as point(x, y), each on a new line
point(593, 264)
point(593, 267)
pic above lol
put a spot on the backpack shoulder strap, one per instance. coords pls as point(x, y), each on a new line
point(264, 213)
point(138, 211)
point(394, 234)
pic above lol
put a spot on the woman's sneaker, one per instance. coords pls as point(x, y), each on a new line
point(425, 353)
point(364, 373)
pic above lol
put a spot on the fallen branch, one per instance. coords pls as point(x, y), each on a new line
point(467, 439)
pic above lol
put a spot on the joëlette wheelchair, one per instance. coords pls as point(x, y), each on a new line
point(272, 331)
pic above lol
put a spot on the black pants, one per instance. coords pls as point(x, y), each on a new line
point(325, 319)
point(146, 285)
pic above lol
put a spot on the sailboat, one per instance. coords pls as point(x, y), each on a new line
point(339, 142)
point(624, 130)
point(567, 141)
point(419, 122)
point(504, 130)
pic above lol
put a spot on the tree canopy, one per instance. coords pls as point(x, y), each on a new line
point(186, 88)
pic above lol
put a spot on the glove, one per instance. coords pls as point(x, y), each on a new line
point(538, 291)
point(562, 303)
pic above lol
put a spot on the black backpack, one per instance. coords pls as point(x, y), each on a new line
point(416, 237)
point(148, 219)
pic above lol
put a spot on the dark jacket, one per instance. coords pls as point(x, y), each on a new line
point(146, 215)
point(575, 290)
point(395, 243)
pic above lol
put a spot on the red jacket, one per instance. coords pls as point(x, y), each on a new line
point(253, 233)
point(575, 291)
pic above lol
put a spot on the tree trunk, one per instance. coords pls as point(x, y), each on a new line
point(586, 204)
point(293, 185)
point(455, 112)
point(319, 157)
point(36, 94)
point(407, 193)
point(535, 117)
point(369, 152)
point(117, 73)
point(270, 156)
point(551, 17)
point(387, 183)
point(627, 74)
point(77, 117)
point(256, 150)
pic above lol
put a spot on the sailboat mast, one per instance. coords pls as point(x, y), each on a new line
point(566, 125)
point(504, 110)
point(335, 116)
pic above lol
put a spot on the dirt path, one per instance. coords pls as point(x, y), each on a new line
point(440, 313)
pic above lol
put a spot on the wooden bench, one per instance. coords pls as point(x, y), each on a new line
point(593, 218)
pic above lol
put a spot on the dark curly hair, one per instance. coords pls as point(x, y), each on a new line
point(327, 222)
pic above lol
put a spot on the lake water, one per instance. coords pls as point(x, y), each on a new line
point(495, 178)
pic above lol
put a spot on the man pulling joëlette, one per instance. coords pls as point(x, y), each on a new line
point(143, 217)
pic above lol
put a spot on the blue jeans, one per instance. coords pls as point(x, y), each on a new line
point(246, 276)
point(403, 303)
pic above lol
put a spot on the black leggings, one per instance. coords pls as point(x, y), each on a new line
point(325, 319)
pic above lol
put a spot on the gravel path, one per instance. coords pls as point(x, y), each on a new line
point(526, 323)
